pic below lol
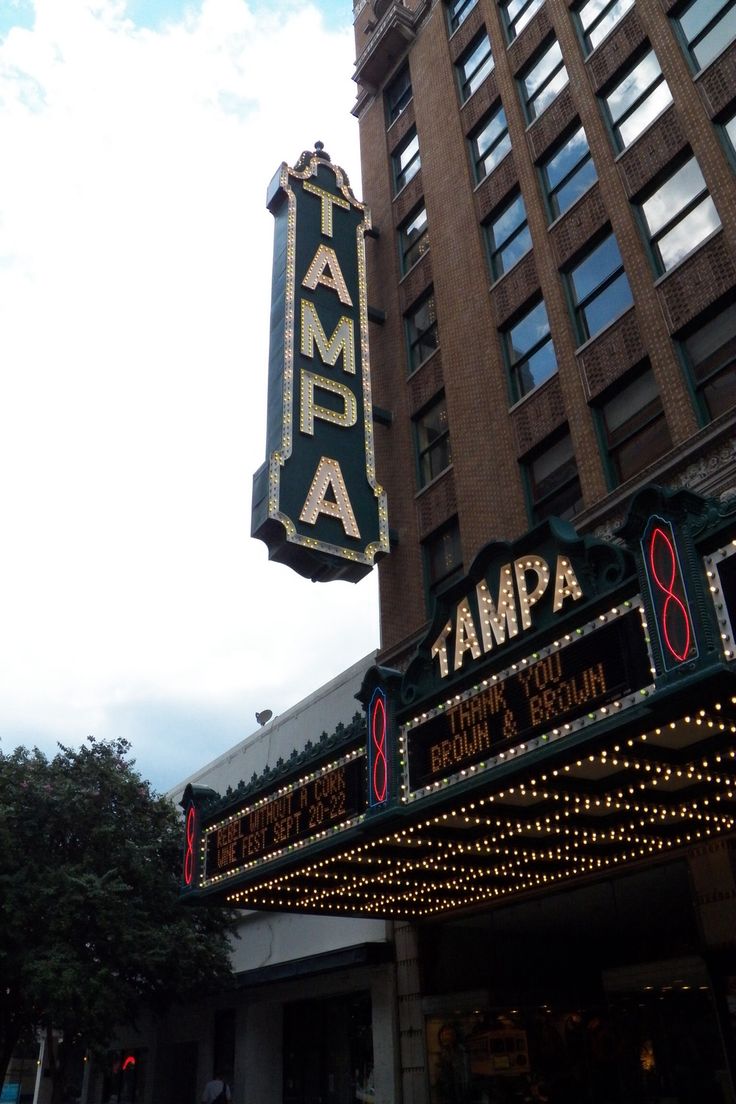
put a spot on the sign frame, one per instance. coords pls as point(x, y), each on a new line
point(320, 420)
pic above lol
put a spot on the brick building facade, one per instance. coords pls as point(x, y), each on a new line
point(554, 278)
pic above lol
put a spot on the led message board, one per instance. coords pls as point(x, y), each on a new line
point(316, 501)
point(312, 807)
point(591, 668)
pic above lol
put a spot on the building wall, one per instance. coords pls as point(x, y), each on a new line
point(278, 959)
point(495, 434)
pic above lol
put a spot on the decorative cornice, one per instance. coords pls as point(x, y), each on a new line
point(343, 735)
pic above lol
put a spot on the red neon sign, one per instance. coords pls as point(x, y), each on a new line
point(379, 763)
point(129, 1062)
point(667, 589)
point(189, 850)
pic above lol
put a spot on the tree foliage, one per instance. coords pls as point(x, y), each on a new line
point(92, 928)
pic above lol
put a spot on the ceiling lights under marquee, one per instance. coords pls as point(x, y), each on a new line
point(629, 798)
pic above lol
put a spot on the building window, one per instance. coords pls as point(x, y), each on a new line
point(679, 215)
point(421, 331)
point(552, 480)
point(637, 100)
point(567, 172)
point(433, 441)
point(711, 356)
point(530, 353)
point(398, 94)
point(598, 17)
point(458, 11)
point(543, 81)
point(516, 15)
point(474, 65)
point(634, 427)
point(707, 27)
point(600, 288)
point(489, 143)
point(508, 236)
point(406, 161)
point(413, 238)
point(443, 558)
point(729, 129)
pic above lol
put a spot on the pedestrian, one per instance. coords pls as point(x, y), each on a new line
point(217, 1091)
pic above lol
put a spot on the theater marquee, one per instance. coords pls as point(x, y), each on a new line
point(316, 502)
point(571, 709)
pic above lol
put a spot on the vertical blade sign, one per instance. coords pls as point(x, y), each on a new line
point(316, 502)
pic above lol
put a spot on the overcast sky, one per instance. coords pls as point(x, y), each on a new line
point(138, 138)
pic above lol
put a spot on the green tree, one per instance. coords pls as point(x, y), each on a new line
point(92, 930)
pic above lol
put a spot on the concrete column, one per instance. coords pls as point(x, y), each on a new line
point(386, 1071)
point(411, 1020)
point(259, 1055)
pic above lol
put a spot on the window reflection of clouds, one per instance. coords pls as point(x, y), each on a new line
point(568, 156)
point(708, 26)
point(674, 194)
point(680, 214)
point(633, 85)
point(596, 267)
point(519, 13)
point(689, 233)
point(531, 329)
point(538, 73)
point(636, 101)
point(544, 80)
point(599, 17)
point(646, 113)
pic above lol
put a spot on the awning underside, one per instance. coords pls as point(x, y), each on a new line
point(629, 797)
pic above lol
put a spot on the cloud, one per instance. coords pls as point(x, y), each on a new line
point(135, 260)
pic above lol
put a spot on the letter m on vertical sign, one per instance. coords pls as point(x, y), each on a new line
point(316, 501)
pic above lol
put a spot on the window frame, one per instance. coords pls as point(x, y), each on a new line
point(510, 24)
point(497, 249)
point(478, 158)
point(611, 450)
point(398, 172)
point(465, 81)
point(653, 238)
point(691, 44)
point(457, 12)
point(580, 306)
point(726, 366)
point(515, 367)
point(434, 587)
point(536, 506)
point(551, 191)
point(728, 130)
point(405, 248)
point(441, 444)
point(615, 125)
point(415, 337)
point(528, 98)
point(585, 32)
point(396, 109)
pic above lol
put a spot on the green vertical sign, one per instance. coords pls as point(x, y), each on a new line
point(316, 501)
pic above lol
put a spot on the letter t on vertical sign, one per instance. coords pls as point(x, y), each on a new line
point(316, 501)
point(668, 595)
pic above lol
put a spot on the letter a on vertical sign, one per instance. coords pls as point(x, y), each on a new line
point(316, 501)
